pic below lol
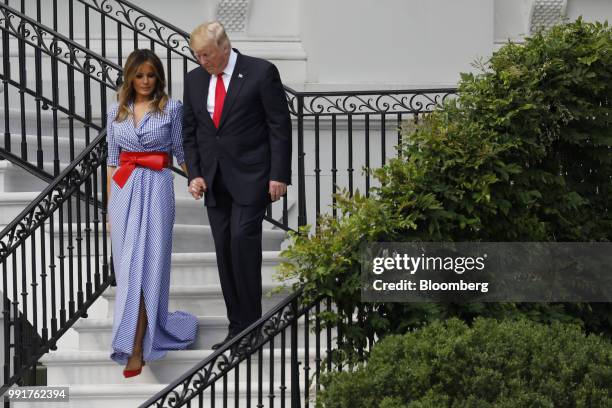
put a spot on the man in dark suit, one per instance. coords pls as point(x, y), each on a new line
point(237, 142)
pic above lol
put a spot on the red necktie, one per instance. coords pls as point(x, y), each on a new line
point(219, 98)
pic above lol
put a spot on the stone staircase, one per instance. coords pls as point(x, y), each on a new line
point(82, 360)
point(97, 381)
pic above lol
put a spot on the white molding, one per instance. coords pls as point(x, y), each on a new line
point(271, 48)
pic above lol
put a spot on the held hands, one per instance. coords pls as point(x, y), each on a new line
point(277, 189)
point(197, 187)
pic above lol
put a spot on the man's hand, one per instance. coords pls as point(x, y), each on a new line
point(197, 187)
point(277, 189)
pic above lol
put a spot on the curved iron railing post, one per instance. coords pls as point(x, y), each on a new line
point(295, 369)
point(301, 166)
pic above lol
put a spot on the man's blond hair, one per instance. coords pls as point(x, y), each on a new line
point(211, 31)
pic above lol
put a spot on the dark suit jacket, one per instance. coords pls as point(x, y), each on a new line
point(253, 142)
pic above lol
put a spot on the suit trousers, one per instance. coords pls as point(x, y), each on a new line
point(237, 233)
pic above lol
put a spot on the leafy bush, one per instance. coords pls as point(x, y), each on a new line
point(508, 364)
point(523, 154)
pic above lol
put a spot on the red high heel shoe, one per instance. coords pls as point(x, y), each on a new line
point(133, 373)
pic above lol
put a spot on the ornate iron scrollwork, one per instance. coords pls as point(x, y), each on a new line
point(56, 194)
point(223, 361)
point(54, 45)
point(149, 26)
point(325, 104)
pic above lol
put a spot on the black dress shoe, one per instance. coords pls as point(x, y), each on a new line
point(246, 344)
point(222, 342)
point(242, 347)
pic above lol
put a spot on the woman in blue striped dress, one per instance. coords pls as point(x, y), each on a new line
point(144, 130)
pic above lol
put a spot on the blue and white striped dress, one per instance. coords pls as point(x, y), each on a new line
point(142, 217)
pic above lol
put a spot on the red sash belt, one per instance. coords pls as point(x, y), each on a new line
point(128, 161)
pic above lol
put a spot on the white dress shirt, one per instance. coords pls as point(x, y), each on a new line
point(227, 76)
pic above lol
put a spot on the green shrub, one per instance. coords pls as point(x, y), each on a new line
point(523, 154)
point(508, 364)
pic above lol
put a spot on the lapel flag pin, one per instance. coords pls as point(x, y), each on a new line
point(239, 75)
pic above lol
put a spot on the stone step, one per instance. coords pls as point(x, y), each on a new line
point(96, 334)
point(186, 238)
point(201, 300)
point(201, 268)
point(95, 367)
point(12, 203)
point(47, 126)
point(188, 210)
point(193, 212)
point(99, 395)
point(130, 395)
point(198, 238)
point(14, 179)
point(47, 146)
point(188, 269)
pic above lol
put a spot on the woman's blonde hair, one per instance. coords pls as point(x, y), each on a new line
point(127, 93)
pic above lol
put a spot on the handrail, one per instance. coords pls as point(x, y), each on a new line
point(77, 59)
point(146, 24)
point(158, 21)
point(362, 102)
point(60, 185)
point(76, 289)
point(49, 104)
point(48, 41)
point(224, 359)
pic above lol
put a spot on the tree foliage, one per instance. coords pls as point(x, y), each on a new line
point(522, 154)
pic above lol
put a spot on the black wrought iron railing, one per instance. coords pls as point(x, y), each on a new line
point(114, 28)
point(53, 73)
point(55, 259)
point(287, 351)
point(341, 135)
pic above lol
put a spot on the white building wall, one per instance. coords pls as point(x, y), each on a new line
point(512, 16)
point(511, 20)
point(390, 43)
point(185, 14)
point(357, 43)
point(394, 42)
point(344, 44)
point(590, 10)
